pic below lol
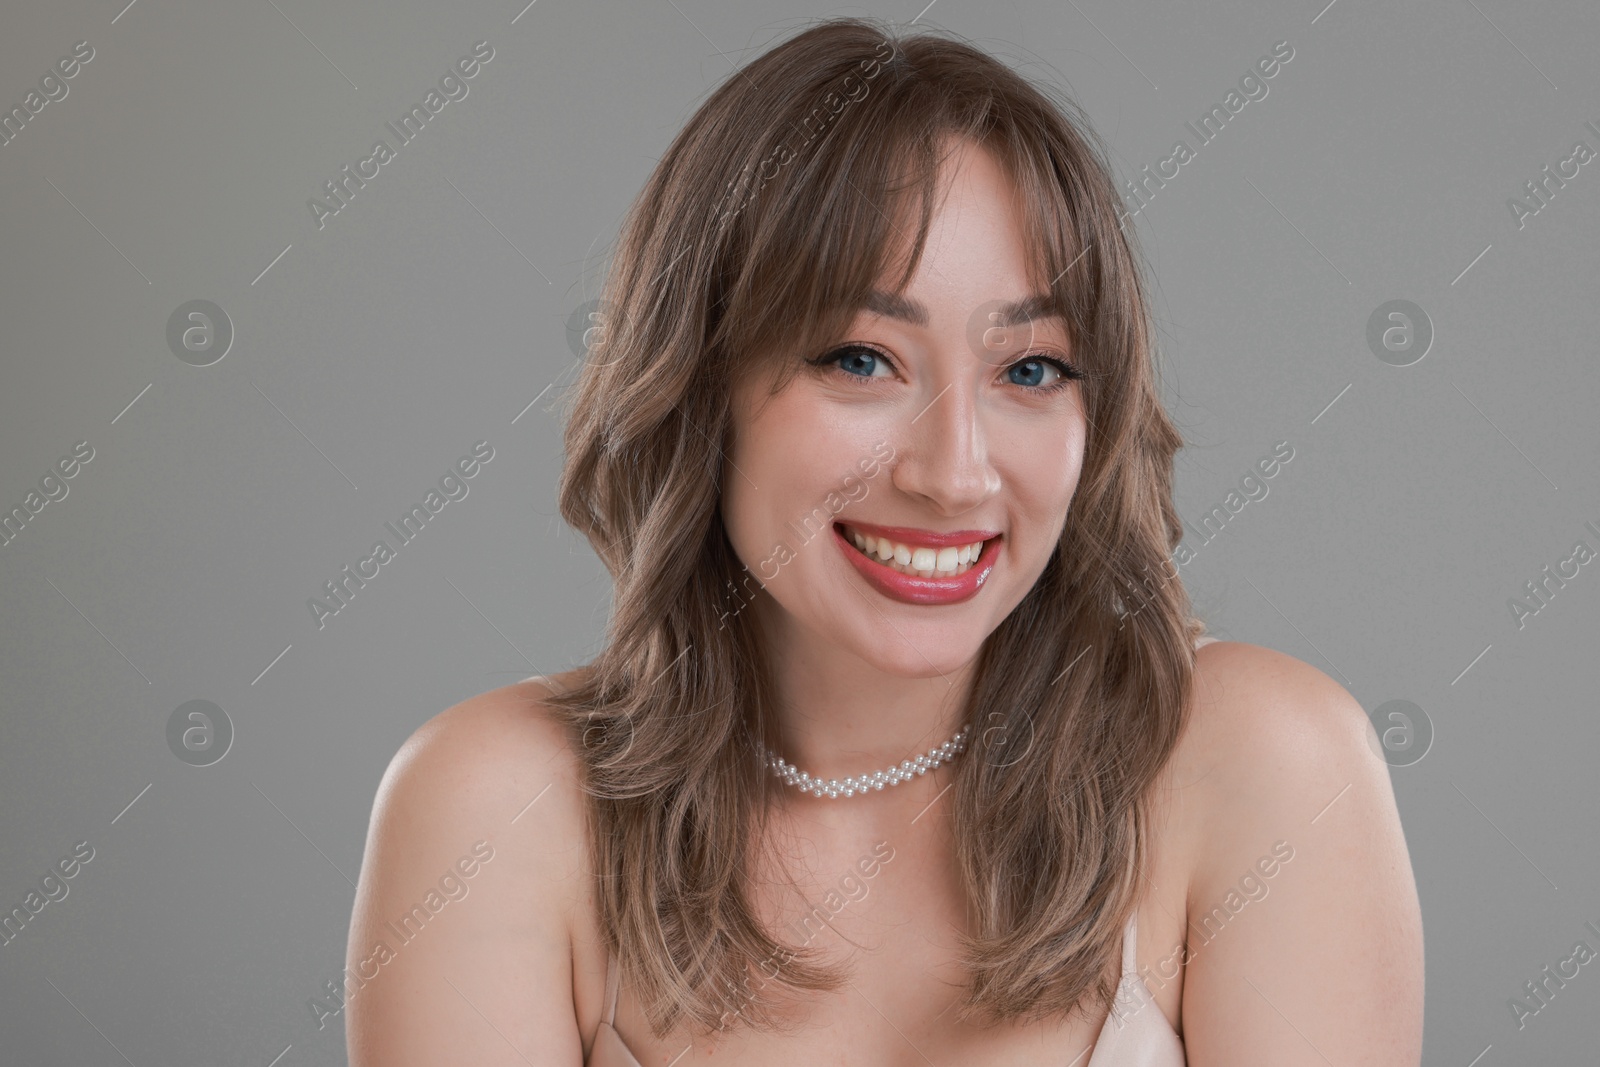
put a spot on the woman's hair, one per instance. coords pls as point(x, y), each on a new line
point(778, 206)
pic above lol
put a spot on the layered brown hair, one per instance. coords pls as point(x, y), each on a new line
point(792, 191)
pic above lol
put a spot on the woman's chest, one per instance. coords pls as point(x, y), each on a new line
point(898, 1008)
point(894, 913)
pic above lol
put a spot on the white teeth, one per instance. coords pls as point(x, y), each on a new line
point(922, 561)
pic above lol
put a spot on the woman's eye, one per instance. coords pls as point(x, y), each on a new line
point(1030, 372)
point(856, 360)
point(1034, 369)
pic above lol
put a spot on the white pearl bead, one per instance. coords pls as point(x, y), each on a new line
point(877, 780)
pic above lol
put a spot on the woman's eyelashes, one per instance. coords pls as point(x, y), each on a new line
point(851, 358)
point(857, 356)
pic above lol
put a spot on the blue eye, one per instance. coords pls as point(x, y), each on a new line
point(853, 358)
point(1036, 365)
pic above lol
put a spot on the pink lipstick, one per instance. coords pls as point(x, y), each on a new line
point(913, 589)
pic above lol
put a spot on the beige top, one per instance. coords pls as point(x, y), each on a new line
point(1135, 1032)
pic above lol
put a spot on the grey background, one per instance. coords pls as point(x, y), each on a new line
point(430, 314)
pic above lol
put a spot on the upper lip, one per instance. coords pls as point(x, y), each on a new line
point(908, 535)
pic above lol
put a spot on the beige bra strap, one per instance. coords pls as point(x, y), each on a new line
point(613, 987)
point(1130, 946)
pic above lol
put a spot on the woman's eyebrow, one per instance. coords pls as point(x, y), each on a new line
point(904, 308)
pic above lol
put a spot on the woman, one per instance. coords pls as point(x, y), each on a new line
point(871, 443)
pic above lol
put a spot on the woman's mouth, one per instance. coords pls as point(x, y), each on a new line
point(918, 561)
point(917, 573)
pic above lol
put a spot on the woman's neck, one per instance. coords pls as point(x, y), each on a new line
point(841, 716)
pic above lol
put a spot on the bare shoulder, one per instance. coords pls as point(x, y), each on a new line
point(1271, 744)
point(484, 752)
point(1299, 876)
point(460, 940)
point(1259, 717)
point(497, 765)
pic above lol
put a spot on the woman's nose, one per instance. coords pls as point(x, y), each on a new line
point(942, 454)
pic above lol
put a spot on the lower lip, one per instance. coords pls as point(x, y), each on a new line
point(909, 588)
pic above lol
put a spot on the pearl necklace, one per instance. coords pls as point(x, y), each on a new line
point(836, 787)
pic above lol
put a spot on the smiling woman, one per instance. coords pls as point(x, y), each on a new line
point(938, 281)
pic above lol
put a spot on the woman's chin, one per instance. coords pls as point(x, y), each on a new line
point(901, 658)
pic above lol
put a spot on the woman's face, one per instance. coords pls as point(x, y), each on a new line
point(932, 416)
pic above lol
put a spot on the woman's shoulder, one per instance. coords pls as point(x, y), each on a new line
point(1298, 873)
point(1272, 746)
point(499, 763)
point(1236, 681)
point(1262, 725)
point(1256, 712)
point(482, 804)
point(490, 759)
point(512, 722)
